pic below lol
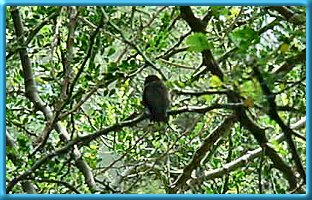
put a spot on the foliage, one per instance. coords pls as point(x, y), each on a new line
point(74, 118)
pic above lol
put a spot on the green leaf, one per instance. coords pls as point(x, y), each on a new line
point(198, 42)
point(215, 81)
point(111, 51)
point(244, 37)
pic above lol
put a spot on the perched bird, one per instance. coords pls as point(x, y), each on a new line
point(156, 98)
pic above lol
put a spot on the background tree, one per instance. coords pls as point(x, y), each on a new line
point(74, 118)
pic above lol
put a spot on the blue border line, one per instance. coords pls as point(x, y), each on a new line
point(159, 2)
point(160, 196)
point(308, 95)
point(2, 99)
point(306, 3)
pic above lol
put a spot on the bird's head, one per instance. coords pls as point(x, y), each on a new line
point(151, 78)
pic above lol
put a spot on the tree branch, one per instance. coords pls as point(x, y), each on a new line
point(201, 152)
point(32, 94)
point(198, 25)
point(270, 97)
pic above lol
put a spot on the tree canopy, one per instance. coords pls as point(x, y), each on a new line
point(75, 122)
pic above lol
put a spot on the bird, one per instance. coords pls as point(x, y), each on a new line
point(156, 98)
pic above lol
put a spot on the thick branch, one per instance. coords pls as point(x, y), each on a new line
point(201, 152)
point(241, 161)
point(274, 116)
point(197, 25)
point(33, 32)
point(259, 134)
point(32, 94)
point(82, 141)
